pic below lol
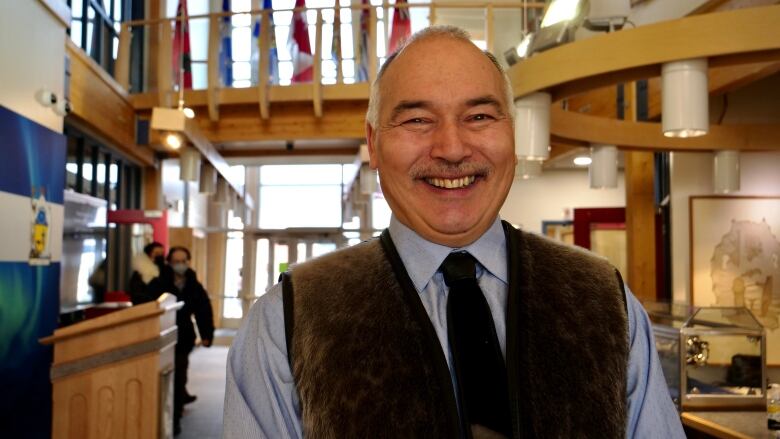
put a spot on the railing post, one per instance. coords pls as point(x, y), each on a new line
point(213, 68)
point(489, 37)
point(373, 61)
point(317, 73)
point(122, 65)
point(432, 15)
point(265, 59)
point(165, 64)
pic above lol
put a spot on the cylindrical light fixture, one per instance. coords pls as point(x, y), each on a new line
point(189, 164)
point(726, 172)
point(368, 179)
point(525, 169)
point(222, 195)
point(685, 98)
point(208, 179)
point(532, 126)
point(603, 167)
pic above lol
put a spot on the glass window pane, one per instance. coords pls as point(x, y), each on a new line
point(261, 267)
point(241, 20)
point(75, 32)
point(117, 10)
point(76, 7)
point(300, 206)
point(328, 68)
point(281, 259)
point(301, 250)
point(231, 309)
point(282, 51)
point(234, 261)
point(283, 18)
point(348, 68)
point(241, 70)
point(346, 13)
point(242, 83)
point(321, 248)
point(90, 28)
point(380, 41)
point(327, 40)
point(195, 7)
point(240, 5)
point(115, 47)
point(347, 45)
point(327, 16)
point(285, 72)
point(199, 39)
point(199, 76)
point(381, 212)
point(300, 174)
point(242, 43)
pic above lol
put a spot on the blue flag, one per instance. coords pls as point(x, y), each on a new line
point(273, 61)
point(226, 52)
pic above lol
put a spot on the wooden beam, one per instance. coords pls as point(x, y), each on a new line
point(122, 64)
point(640, 224)
point(102, 106)
point(288, 153)
point(263, 71)
point(649, 136)
point(212, 98)
point(316, 83)
point(290, 121)
point(152, 188)
point(615, 54)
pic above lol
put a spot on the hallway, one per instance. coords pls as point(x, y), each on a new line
point(203, 418)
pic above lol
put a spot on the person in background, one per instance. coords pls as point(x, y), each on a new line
point(179, 279)
point(144, 285)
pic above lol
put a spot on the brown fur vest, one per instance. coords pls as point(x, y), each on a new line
point(367, 362)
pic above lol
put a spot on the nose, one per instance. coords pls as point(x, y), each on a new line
point(449, 143)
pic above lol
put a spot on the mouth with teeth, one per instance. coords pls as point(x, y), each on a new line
point(451, 183)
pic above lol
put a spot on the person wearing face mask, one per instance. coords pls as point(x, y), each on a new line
point(179, 279)
point(145, 283)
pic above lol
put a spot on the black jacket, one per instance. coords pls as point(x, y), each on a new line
point(196, 302)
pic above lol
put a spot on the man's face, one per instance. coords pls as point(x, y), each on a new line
point(444, 142)
point(178, 257)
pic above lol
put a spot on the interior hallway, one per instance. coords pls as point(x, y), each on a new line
point(203, 418)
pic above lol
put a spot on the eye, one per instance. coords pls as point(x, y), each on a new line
point(414, 121)
point(481, 117)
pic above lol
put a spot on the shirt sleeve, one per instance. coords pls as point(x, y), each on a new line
point(651, 412)
point(260, 396)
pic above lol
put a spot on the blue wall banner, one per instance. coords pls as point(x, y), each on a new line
point(32, 179)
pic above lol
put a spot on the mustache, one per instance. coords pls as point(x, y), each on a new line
point(443, 168)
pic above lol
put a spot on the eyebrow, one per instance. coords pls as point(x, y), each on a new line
point(485, 100)
point(409, 105)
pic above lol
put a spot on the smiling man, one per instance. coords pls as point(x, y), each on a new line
point(452, 324)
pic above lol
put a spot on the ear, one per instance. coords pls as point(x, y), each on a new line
point(373, 159)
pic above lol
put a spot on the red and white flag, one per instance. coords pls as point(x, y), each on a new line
point(182, 58)
point(300, 49)
point(402, 27)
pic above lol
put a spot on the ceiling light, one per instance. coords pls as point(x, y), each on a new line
point(532, 126)
point(189, 164)
point(173, 140)
point(607, 15)
point(582, 161)
point(726, 172)
point(189, 113)
point(603, 169)
point(526, 169)
point(685, 98)
point(559, 11)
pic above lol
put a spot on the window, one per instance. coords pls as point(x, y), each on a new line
point(300, 196)
point(95, 28)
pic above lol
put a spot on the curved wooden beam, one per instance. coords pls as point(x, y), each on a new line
point(638, 53)
point(649, 135)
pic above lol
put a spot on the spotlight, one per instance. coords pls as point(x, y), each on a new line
point(173, 140)
point(189, 113)
point(582, 161)
point(45, 97)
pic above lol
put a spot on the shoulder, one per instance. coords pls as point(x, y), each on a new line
point(341, 264)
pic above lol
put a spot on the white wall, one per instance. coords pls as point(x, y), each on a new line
point(32, 55)
point(546, 198)
point(760, 175)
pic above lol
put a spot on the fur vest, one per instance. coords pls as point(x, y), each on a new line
point(367, 362)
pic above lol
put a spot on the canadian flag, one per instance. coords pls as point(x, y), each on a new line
point(402, 27)
point(300, 49)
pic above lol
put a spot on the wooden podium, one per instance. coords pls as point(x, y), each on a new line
point(112, 376)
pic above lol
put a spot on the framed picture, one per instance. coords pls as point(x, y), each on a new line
point(735, 258)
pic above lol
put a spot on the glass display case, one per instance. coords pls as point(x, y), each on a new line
point(712, 358)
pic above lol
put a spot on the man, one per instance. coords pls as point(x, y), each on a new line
point(452, 323)
point(178, 278)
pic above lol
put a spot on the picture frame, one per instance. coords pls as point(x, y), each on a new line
point(735, 258)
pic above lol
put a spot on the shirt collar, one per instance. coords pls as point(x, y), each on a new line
point(422, 258)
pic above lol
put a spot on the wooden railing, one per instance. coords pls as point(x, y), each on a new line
point(161, 85)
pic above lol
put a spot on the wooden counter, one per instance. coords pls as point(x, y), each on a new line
point(729, 425)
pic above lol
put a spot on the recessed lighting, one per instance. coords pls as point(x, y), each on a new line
point(582, 161)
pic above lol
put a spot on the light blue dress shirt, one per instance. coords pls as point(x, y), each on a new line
point(260, 397)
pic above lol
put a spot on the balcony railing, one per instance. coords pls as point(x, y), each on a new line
point(339, 71)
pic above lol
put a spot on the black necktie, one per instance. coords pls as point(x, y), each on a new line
point(479, 365)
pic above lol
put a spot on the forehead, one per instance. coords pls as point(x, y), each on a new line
point(178, 254)
point(442, 70)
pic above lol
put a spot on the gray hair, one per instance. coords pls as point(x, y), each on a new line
point(372, 116)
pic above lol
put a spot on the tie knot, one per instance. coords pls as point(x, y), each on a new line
point(459, 267)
